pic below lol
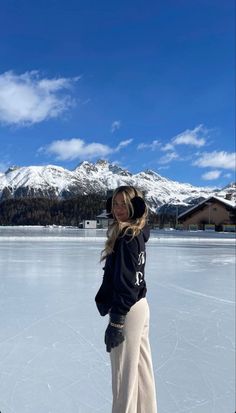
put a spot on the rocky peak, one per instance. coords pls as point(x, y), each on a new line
point(12, 168)
point(87, 166)
point(115, 169)
point(102, 163)
point(153, 174)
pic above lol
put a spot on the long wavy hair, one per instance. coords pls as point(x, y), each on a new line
point(132, 226)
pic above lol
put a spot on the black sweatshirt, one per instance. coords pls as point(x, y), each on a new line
point(123, 280)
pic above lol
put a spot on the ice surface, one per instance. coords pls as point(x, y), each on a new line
point(52, 355)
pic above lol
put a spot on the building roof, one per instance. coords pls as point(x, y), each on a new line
point(216, 198)
point(103, 215)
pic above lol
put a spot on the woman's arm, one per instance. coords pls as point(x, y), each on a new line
point(127, 268)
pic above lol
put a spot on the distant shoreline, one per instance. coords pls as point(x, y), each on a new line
point(65, 233)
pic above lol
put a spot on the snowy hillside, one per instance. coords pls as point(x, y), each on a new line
point(54, 181)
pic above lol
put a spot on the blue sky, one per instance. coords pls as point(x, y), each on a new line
point(145, 84)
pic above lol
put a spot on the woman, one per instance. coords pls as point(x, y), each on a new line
point(122, 295)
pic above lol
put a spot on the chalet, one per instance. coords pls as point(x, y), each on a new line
point(214, 212)
point(102, 220)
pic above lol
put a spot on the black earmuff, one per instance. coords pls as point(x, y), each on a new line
point(139, 207)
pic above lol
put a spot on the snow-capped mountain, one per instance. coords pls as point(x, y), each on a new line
point(54, 181)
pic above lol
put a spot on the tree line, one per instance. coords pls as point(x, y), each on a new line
point(45, 211)
point(69, 212)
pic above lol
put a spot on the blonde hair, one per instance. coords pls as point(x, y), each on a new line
point(132, 226)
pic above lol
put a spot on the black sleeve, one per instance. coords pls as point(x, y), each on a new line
point(103, 297)
point(125, 288)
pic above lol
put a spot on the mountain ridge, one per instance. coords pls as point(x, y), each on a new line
point(52, 181)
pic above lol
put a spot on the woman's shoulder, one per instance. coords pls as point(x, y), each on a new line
point(129, 239)
point(127, 236)
point(144, 234)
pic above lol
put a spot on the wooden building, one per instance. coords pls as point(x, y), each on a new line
point(212, 213)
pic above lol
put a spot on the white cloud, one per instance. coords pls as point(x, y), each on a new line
point(216, 159)
point(192, 137)
point(123, 144)
point(115, 126)
point(78, 149)
point(153, 145)
point(26, 98)
point(168, 158)
point(160, 168)
point(211, 175)
point(167, 147)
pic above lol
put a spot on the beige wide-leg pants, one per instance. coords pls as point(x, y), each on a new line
point(133, 383)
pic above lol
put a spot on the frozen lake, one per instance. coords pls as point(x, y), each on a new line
point(52, 355)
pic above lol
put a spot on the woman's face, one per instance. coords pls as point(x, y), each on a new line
point(120, 209)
